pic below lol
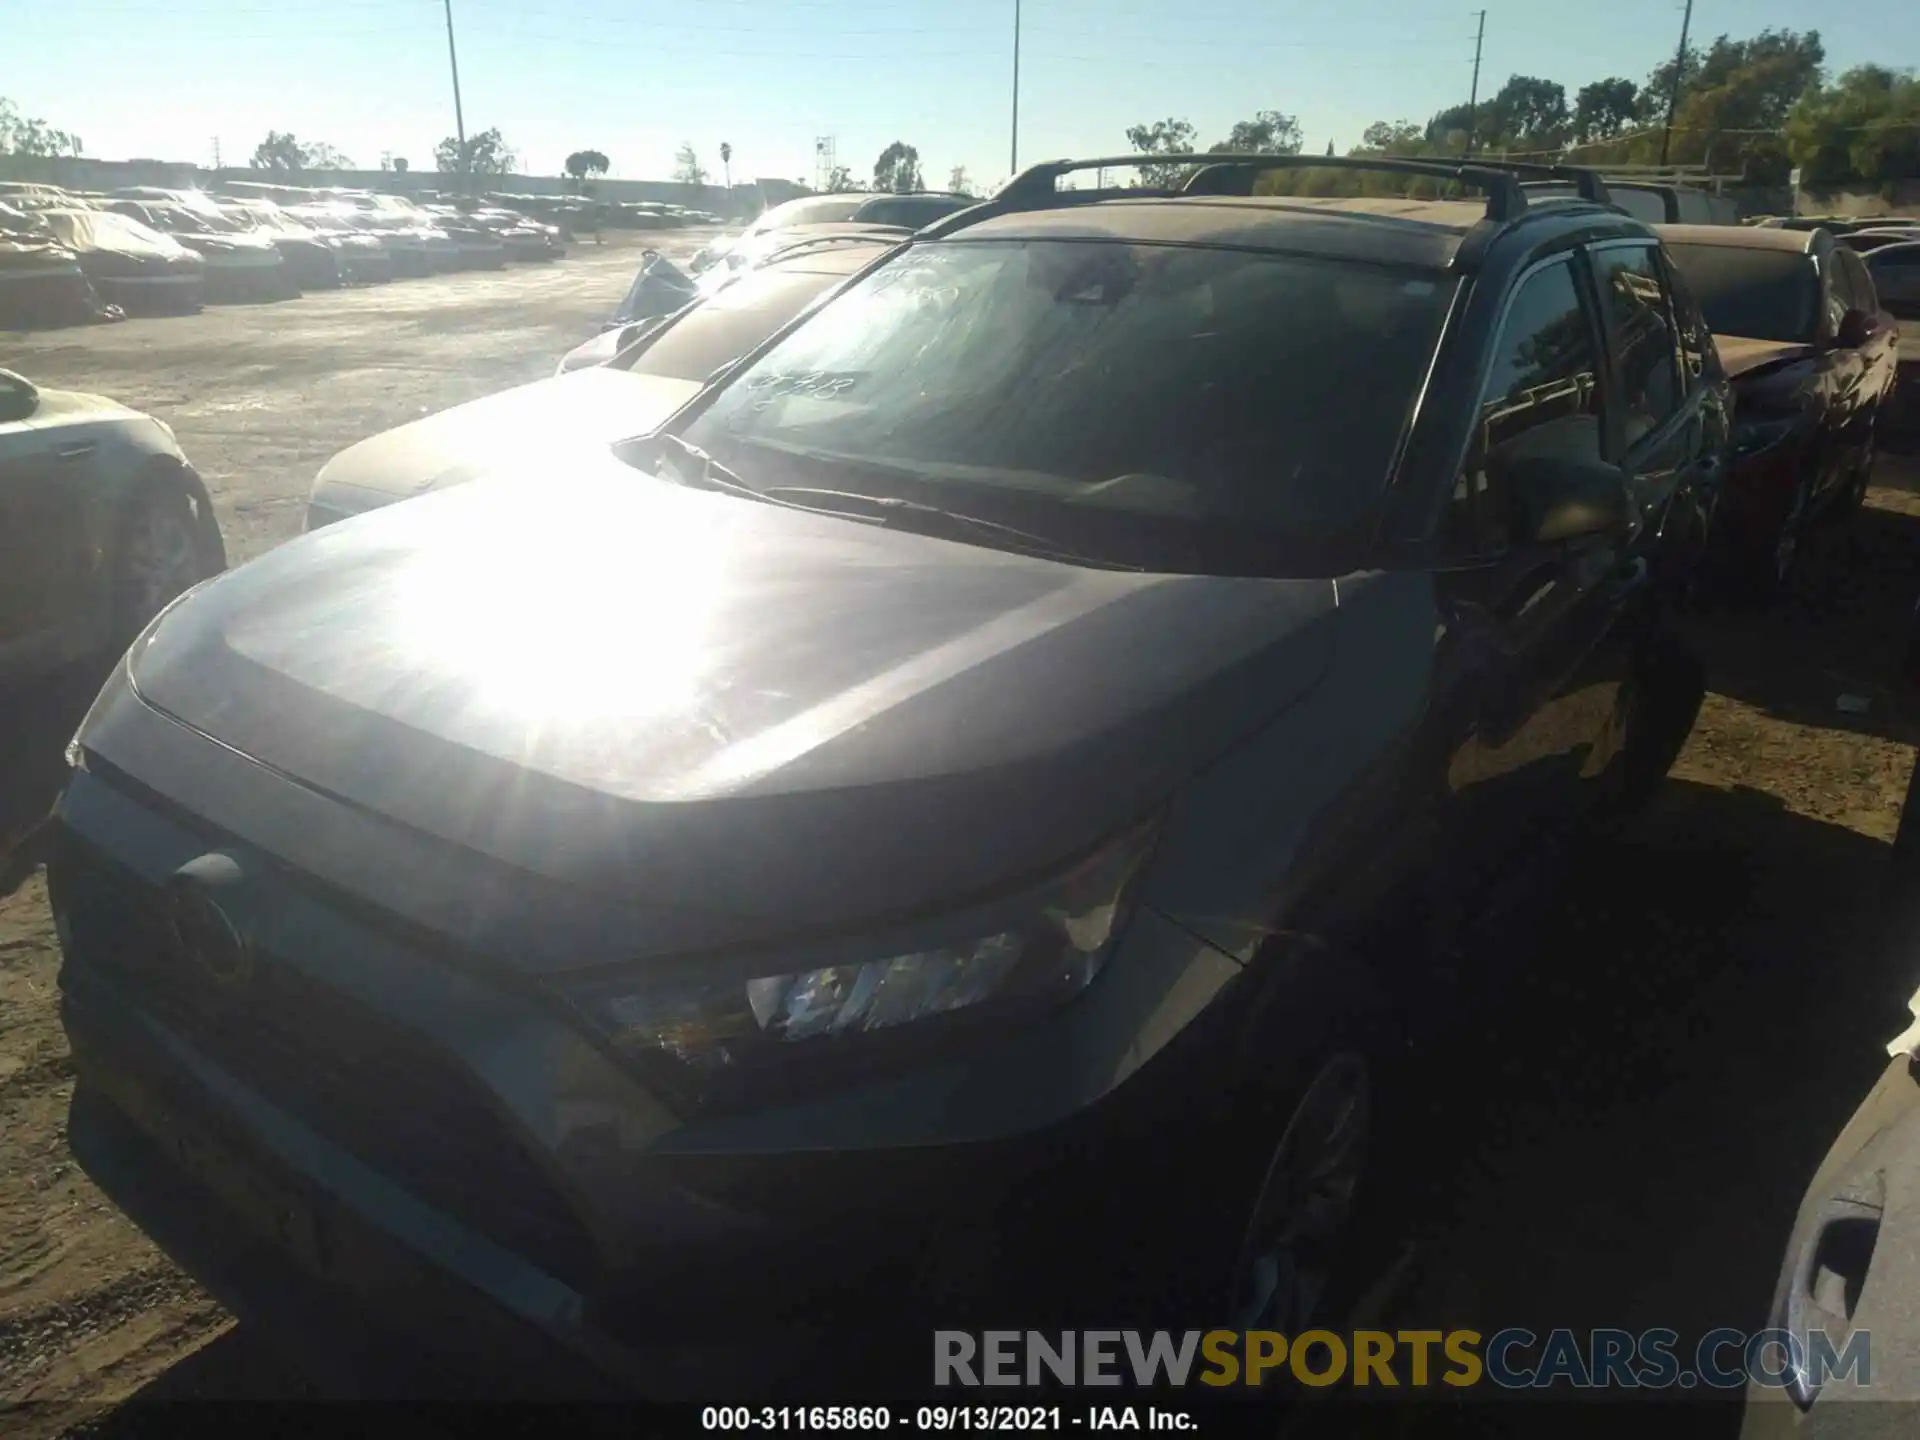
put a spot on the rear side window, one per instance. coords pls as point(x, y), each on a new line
point(1640, 333)
point(1753, 294)
point(1859, 281)
point(1541, 396)
point(732, 322)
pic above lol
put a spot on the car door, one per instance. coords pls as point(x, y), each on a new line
point(1843, 381)
point(1529, 663)
point(42, 537)
point(1669, 419)
point(1880, 354)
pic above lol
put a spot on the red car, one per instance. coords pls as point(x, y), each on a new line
point(1812, 355)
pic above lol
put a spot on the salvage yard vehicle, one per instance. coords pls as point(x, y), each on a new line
point(313, 261)
point(1797, 324)
point(1895, 270)
point(364, 259)
point(241, 265)
point(647, 371)
point(807, 210)
point(522, 238)
point(102, 522)
point(1005, 749)
point(41, 282)
point(130, 264)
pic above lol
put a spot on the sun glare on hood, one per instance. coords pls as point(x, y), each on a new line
point(551, 619)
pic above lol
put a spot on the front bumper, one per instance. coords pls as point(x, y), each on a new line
point(429, 1157)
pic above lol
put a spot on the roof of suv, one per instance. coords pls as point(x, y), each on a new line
point(1385, 230)
point(1741, 237)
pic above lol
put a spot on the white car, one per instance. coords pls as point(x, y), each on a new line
point(624, 383)
point(102, 523)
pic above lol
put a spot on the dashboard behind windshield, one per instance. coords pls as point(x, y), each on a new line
point(1143, 393)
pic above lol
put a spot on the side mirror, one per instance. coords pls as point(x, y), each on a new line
point(1562, 498)
point(1856, 328)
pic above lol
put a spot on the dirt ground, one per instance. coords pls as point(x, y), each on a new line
point(1626, 1131)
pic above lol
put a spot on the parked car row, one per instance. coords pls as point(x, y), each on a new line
point(981, 718)
point(149, 249)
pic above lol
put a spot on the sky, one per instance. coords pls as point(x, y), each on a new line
point(634, 79)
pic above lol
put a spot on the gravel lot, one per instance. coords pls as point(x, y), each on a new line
point(1652, 1074)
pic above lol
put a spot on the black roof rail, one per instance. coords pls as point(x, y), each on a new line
point(1589, 184)
point(1037, 185)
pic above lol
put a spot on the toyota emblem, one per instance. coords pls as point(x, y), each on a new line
point(203, 933)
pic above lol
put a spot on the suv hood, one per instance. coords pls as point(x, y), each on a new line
point(533, 429)
point(689, 699)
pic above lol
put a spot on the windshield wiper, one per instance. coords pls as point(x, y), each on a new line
point(888, 506)
point(712, 475)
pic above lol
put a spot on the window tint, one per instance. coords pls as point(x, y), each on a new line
point(1541, 397)
point(1859, 282)
point(1640, 332)
point(1901, 259)
point(1754, 294)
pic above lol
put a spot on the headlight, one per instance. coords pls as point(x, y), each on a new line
point(713, 1037)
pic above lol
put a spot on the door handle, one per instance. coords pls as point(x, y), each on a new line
point(78, 450)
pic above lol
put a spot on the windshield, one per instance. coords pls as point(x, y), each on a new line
point(1139, 402)
point(818, 210)
point(735, 320)
point(1753, 294)
point(912, 211)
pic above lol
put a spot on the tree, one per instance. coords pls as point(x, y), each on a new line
point(898, 169)
point(1771, 71)
point(1605, 108)
point(322, 156)
point(487, 153)
point(1268, 133)
point(1531, 113)
point(1162, 137)
point(687, 169)
point(582, 163)
point(399, 164)
point(280, 152)
point(1865, 129)
point(840, 180)
point(958, 181)
point(1393, 137)
point(726, 164)
point(28, 135)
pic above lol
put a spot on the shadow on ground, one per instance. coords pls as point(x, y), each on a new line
point(35, 726)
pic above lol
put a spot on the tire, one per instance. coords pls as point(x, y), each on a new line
point(1769, 567)
point(1663, 707)
point(162, 550)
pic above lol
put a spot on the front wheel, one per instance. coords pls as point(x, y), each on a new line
point(161, 555)
point(1297, 1235)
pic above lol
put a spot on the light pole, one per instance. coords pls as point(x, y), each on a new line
point(1679, 69)
point(1013, 156)
point(459, 118)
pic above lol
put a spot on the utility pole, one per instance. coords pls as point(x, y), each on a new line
point(216, 153)
point(459, 116)
point(1473, 97)
point(1013, 155)
point(1679, 69)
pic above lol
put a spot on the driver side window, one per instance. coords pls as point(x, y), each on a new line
point(1541, 396)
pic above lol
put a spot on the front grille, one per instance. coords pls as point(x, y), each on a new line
point(377, 1089)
